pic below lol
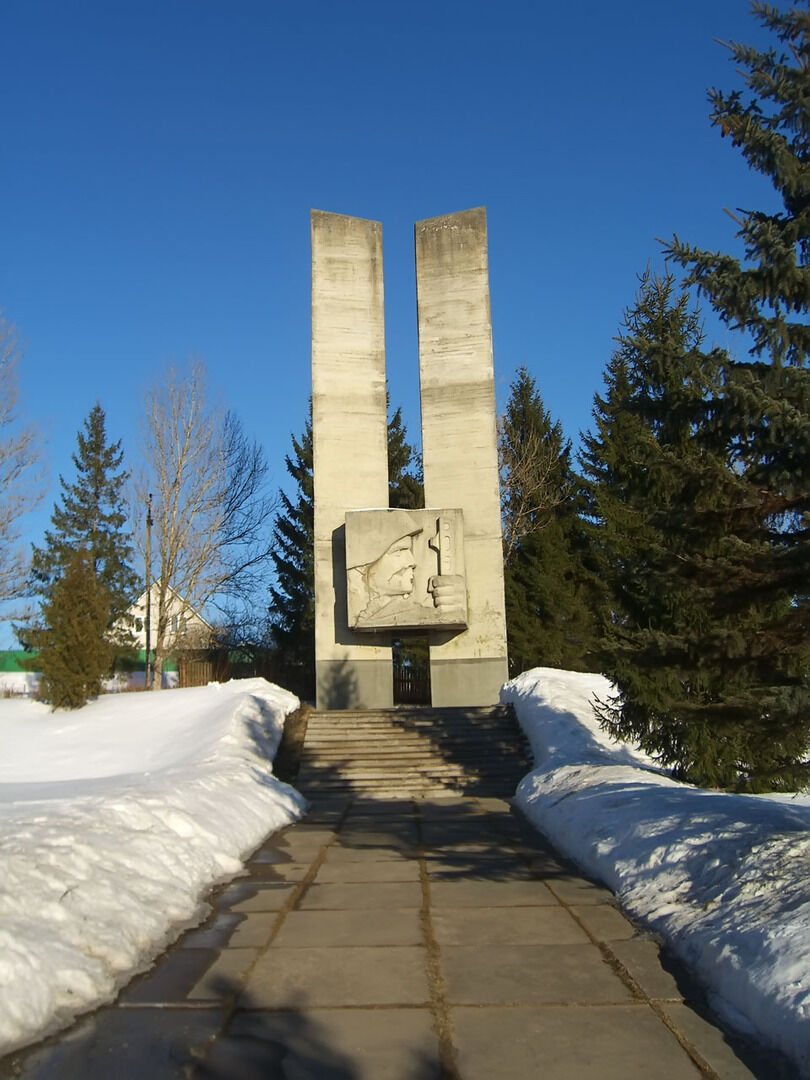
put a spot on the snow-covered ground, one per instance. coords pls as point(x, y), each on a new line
point(115, 820)
point(725, 879)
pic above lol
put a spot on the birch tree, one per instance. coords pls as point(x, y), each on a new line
point(19, 475)
point(211, 512)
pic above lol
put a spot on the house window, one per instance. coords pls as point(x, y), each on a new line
point(138, 626)
point(175, 624)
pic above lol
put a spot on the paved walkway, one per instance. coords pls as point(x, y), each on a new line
point(402, 941)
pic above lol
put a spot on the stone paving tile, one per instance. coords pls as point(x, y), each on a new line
point(171, 979)
point(529, 974)
point(299, 978)
point(489, 894)
point(301, 836)
point(214, 932)
point(576, 890)
point(718, 1051)
point(133, 1043)
point(247, 896)
point(254, 930)
point(272, 855)
point(382, 894)
point(334, 1044)
point(341, 928)
point(360, 870)
point(641, 957)
point(338, 853)
point(381, 808)
point(607, 1042)
point(280, 872)
point(520, 926)
point(496, 867)
point(547, 863)
point(224, 977)
point(605, 922)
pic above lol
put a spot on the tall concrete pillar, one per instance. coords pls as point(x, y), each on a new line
point(349, 446)
point(459, 444)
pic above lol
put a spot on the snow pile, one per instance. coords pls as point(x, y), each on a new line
point(115, 820)
point(725, 879)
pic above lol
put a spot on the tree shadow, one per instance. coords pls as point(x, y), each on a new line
point(297, 1042)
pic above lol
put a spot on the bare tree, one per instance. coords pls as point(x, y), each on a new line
point(19, 476)
point(531, 485)
point(211, 514)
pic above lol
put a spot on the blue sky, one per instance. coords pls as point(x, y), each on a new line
point(160, 159)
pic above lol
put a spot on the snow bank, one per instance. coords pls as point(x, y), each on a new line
point(725, 879)
point(115, 820)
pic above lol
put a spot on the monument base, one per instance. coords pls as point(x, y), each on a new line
point(354, 684)
point(467, 682)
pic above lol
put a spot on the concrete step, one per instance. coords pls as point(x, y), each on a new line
point(413, 751)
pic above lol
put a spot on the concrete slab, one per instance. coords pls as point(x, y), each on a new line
point(280, 872)
point(489, 894)
point(518, 926)
point(297, 836)
point(225, 976)
point(605, 922)
point(340, 928)
point(547, 863)
point(214, 932)
point(726, 1055)
point(362, 870)
point(382, 807)
point(301, 978)
point(364, 896)
point(174, 975)
point(333, 1044)
point(254, 931)
point(529, 974)
point(356, 854)
point(568, 1043)
point(384, 829)
point(641, 957)
point(400, 839)
point(459, 867)
point(134, 1043)
point(576, 890)
point(253, 896)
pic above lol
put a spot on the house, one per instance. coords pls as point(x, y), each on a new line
point(186, 629)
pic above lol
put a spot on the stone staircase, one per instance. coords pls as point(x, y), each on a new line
point(413, 752)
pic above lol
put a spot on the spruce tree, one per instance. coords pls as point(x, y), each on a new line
point(292, 599)
point(681, 648)
point(91, 515)
point(405, 488)
point(762, 417)
point(548, 620)
point(74, 648)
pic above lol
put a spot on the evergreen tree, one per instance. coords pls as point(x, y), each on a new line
point(548, 620)
point(292, 599)
point(405, 488)
point(681, 648)
point(762, 417)
point(91, 516)
point(74, 648)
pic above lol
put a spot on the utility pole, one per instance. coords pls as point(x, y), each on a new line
point(148, 669)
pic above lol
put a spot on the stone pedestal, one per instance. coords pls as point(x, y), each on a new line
point(349, 432)
point(459, 445)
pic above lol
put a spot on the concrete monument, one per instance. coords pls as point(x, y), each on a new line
point(379, 570)
point(405, 569)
